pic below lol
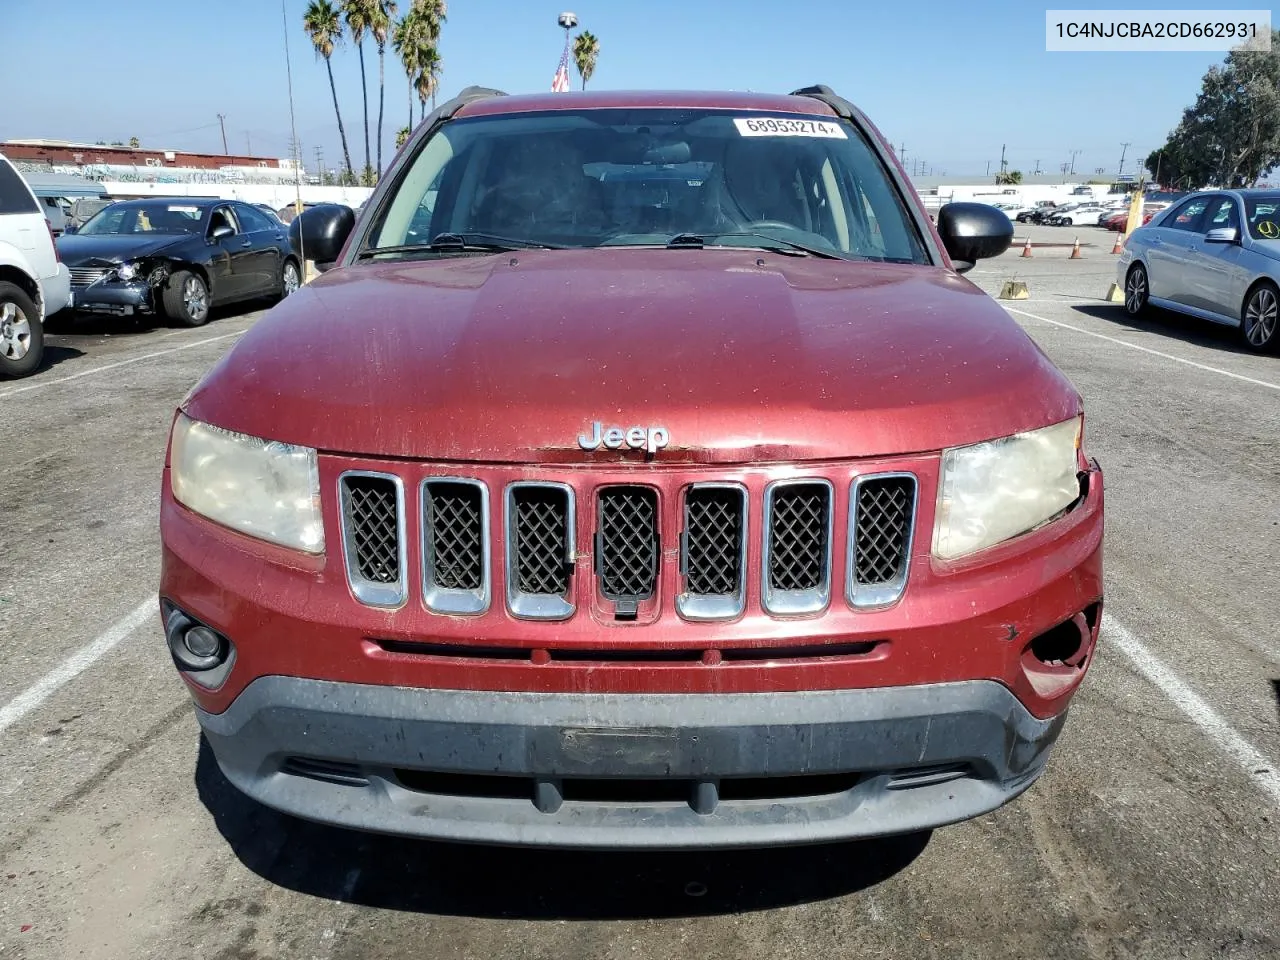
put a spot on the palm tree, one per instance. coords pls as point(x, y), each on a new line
point(324, 27)
point(360, 16)
point(432, 15)
point(404, 38)
point(586, 50)
point(384, 12)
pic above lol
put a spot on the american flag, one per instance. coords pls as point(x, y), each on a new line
point(561, 83)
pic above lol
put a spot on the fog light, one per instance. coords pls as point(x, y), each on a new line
point(202, 642)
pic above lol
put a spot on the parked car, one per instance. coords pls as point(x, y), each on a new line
point(1215, 256)
point(83, 209)
point(178, 257)
point(1042, 208)
point(1119, 220)
point(635, 511)
point(57, 192)
point(1084, 213)
point(34, 283)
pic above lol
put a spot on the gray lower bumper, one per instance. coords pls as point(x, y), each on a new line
point(117, 298)
point(581, 770)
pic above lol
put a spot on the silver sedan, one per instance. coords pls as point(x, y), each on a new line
point(1215, 255)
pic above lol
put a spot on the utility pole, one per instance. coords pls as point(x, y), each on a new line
point(1074, 154)
point(248, 146)
point(1065, 166)
point(222, 118)
point(1124, 148)
point(988, 168)
point(320, 163)
point(1003, 164)
point(1037, 170)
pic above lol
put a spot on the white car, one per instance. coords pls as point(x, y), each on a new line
point(34, 283)
point(1076, 214)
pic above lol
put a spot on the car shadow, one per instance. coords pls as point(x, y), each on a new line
point(55, 354)
point(1168, 323)
point(425, 876)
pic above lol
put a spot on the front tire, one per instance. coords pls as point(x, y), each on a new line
point(1260, 319)
point(186, 299)
point(21, 334)
point(1137, 290)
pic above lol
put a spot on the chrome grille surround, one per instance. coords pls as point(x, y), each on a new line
point(522, 603)
point(780, 544)
point(441, 592)
point(732, 602)
point(871, 553)
point(374, 591)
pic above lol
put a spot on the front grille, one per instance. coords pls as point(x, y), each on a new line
point(882, 526)
point(627, 543)
point(540, 549)
point(454, 524)
point(798, 539)
point(83, 276)
point(713, 555)
point(372, 508)
point(455, 546)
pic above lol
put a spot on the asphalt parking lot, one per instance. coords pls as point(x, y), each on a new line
point(1155, 832)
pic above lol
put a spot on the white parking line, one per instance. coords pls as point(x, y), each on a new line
point(1134, 346)
point(74, 665)
point(1260, 770)
point(25, 388)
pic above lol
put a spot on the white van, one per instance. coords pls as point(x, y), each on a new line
point(34, 283)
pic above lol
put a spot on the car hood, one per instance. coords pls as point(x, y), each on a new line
point(76, 249)
point(741, 355)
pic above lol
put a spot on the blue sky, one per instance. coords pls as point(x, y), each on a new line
point(953, 81)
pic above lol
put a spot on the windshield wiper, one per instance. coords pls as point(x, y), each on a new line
point(458, 243)
point(792, 248)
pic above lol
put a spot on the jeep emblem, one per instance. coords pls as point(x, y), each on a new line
point(651, 439)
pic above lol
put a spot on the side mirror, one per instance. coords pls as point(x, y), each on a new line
point(1222, 235)
point(220, 232)
point(319, 233)
point(973, 231)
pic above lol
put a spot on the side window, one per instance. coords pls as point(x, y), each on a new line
point(254, 221)
point(1187, 216)
point(14, 195)
point(222, 217)
point(1222, 213)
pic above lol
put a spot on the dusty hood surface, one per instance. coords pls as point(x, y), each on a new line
point(741, 355)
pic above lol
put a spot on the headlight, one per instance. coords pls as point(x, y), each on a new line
point(262, 488)
point(998, 489)
point(127, 271)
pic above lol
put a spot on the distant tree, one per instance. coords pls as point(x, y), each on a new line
point(1231, 135)
point(586, 51)
point(360, 16)
point(135, 142)
point(117, 143)
point(384, 12)
point(401, 136)
point(1012, 178)
point(324, 27)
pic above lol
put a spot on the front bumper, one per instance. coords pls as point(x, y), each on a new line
point(55, 291)
point(115, 297)
point(632, 770)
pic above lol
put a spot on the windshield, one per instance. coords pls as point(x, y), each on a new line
point(1263, 217)
point(632, 177)
point(147, 218)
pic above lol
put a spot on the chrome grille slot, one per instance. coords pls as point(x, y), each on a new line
point(797, 547)
point(713, 552)
point(373, 539)
point(881, 517)
point(83, 276)
point(627, 545)
point(540, 550)
point(455, 545)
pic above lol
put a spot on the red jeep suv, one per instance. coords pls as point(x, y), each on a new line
point(640, 472)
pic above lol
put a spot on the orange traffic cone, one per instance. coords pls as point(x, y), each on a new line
point(1075, 251)
point(1119, 244)
point(1026, 248)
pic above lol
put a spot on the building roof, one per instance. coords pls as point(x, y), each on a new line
point(584, 100)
